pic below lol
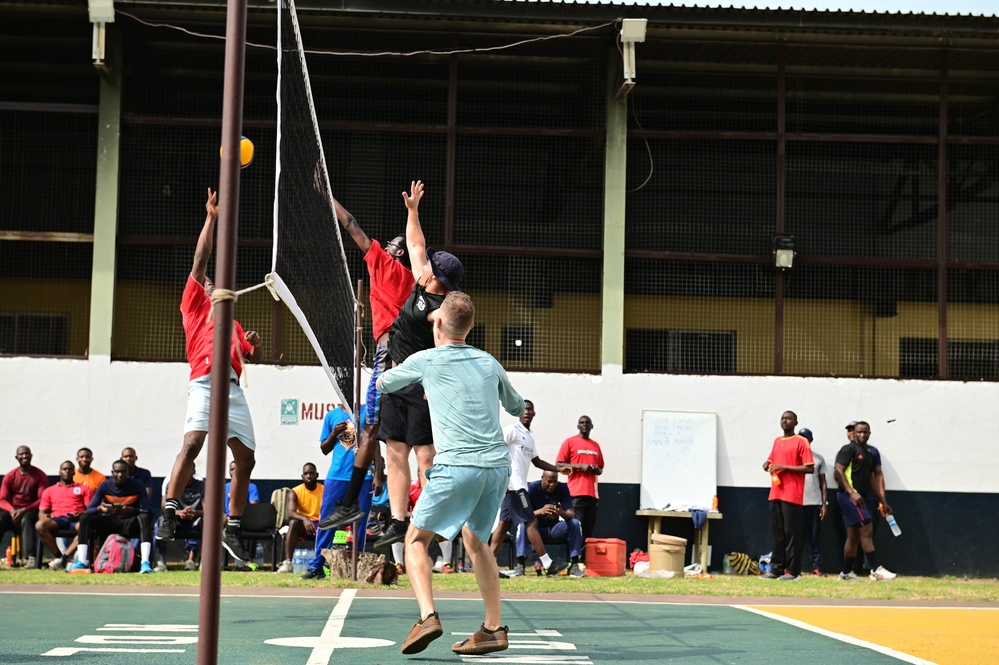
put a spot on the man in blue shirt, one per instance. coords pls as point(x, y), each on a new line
point(471, 469)
point(557, 523)
point(339, 438)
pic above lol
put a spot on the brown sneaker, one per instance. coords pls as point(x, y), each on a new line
point(483, 641)
point(422, 634)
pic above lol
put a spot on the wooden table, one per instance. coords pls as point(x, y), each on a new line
point(700, 535)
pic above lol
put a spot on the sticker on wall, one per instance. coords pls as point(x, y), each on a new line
point(289, 412)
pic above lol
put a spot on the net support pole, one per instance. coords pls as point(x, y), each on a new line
point(357, 407)
point(225, 277)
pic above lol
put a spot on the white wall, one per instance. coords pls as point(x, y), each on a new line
point(934, 436)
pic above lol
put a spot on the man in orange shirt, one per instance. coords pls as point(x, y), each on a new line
point(85, 475)
point(304, 504)
point(790, 459)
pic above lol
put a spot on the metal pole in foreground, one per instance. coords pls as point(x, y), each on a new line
point(225, 278)
point(358, 425)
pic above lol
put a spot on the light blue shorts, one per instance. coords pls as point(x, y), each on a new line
point(199, 394)
point(456, 496)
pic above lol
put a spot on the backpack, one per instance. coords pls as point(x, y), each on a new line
point(115, 556)
point(279, 499)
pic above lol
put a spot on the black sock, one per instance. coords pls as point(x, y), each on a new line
point(357, 477)
point(235, 523)
point(848, 564)
point(170, 507)
point(872, 559)
point(574, 560)
point(522, 560)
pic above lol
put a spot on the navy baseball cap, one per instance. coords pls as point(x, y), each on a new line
point(447, 268)
point(851, 425)
point(805, 432)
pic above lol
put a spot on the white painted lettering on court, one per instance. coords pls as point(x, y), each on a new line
point(323, 645)
point(147, 641)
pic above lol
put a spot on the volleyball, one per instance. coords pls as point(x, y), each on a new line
point(245, 152)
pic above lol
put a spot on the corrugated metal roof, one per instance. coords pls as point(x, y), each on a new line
point(986, 8)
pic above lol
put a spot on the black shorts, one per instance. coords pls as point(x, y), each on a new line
point(405, 417)
point(516, 508)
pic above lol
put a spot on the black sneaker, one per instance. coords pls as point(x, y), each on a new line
point(341, 516)
point(556, 568)
point(233, 545)
point(168, 526)
point(314, 574)
point(394, 533)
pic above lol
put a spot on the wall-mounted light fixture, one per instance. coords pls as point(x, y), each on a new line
point(101, 13)
point(632, 31)
point(784, 252)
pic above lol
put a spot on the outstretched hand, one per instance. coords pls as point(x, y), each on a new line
point(415, 194)
point(212, 204)
point(565, 469)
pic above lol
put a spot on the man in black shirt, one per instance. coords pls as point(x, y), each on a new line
point(854, 474)
point(405, 417)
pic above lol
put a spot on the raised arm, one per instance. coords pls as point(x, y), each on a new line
point(206, 239)
point(350, 225)
point(415, 240)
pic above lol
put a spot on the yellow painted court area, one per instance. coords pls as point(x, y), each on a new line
point(944, 636)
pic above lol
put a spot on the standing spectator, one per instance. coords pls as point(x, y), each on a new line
point(144, 476)
point(790, 459)
point(855, 476)
point(20, 496)
point(849, 429)
point(516, 508)
point(304, 503)
point(587, 461)
point(85, 474)
point(61, 507)
point(874, 507)
point(815, 505)
point(557, 523)
point(189, 515)
point(340, 438)
point(120, 506)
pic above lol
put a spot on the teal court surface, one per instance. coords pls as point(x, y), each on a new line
point(120, 625)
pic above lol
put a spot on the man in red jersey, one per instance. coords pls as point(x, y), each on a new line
point(587, 461)
point(790, 459)
point(20, 494)
point(391, 284)
point(61, 507)
point(199, 329)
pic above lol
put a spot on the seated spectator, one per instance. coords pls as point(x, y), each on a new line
point(189, 516)
point(304, 503)
point(556, 521)
point(144, 476)
point(20, 495)
point(85, 474)
point(61, 507)
point(252, 496)
point(120, 506)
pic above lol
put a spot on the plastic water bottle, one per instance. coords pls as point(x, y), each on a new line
point(259, 554)
point(893, 525)
point(297, 561)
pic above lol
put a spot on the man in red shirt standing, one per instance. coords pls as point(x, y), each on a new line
point(789, 461)
point(61, 507)
point(587, 461)
point(20, 494)
point(199, 329)
point(391, 284)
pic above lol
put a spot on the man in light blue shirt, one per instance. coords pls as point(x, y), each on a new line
point(471, 469)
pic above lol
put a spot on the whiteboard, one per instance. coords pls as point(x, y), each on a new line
point(679, 459)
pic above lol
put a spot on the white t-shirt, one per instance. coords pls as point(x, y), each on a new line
point(520, 443)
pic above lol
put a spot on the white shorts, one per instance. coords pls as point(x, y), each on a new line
point(199, 393)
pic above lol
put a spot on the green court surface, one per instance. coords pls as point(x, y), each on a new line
point(161, 629)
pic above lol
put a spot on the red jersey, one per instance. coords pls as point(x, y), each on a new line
point(200, 332)
point(64, 500)
point(391, 284)
point(22, 490)
point(790, 451)
point(577, 450)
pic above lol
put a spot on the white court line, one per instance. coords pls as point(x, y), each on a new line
point(908, 658)
point(323, 651)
